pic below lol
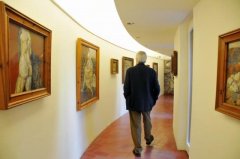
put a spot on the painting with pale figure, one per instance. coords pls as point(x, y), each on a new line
point(26, 59)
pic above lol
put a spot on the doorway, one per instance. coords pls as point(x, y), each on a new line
point(190, 70)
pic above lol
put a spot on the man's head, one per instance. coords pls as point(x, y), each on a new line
point(141, 57)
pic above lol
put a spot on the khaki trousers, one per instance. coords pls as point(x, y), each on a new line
point(136, 128)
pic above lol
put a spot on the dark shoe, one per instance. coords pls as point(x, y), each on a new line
point(150, 140)
point(136, 153)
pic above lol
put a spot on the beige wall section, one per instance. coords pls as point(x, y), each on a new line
point(214, 135)
point(50, 128)
point(181, 84)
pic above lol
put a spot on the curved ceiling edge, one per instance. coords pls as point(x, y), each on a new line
point(110, 23)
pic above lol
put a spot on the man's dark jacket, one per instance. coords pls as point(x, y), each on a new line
point(141, 88)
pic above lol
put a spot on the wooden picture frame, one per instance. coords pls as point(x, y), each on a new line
point(114, 66)
point(228, 81)
point(87, 73)
point(126, 63)
point(25, 59)
point(174, 59)
point(155, 67)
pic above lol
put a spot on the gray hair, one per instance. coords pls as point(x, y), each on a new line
point(141, 57)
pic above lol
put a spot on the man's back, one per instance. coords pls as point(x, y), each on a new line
point(141, 88)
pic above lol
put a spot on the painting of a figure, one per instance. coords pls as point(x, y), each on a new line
point(26, 49)
point(232, 95)
point(25, 60)
point(126, 63)
point(88, 74)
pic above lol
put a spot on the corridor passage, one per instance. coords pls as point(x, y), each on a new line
point(115, 141)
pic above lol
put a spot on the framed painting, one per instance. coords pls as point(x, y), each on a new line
point(126, 63)
point(114, 66)
point(228, 75)
point(174, 59)
point(87, 73)
point(155, 67)
point(25, 59)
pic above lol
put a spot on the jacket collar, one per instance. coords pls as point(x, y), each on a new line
point(140, 64)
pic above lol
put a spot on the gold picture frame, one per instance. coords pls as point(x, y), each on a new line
point(228, 81)
point(25, 59)
point(114, 66)
point(126, 63)
point(87, 73)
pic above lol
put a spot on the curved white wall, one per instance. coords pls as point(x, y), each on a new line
point(50, 128)
point(214, 135)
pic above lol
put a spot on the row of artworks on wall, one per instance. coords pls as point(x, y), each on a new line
point(127, 62)
point(25, 62)
point(25, 65)
point(88, 72)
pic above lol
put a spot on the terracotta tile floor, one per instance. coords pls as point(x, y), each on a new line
point(115, 141)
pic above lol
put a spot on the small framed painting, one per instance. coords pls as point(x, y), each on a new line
point(126, 63)
point(228, 75)
point(114, 66)
point(174, 62)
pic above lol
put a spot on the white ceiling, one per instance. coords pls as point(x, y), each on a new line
point(100, 17)
point(154, 21)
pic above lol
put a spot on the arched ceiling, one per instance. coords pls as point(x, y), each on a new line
point(153, 23)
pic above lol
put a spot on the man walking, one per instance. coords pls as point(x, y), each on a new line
point(141, 90)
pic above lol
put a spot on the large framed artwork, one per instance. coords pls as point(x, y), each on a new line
point(25, 59)
point(155, 67)
point(114, 66)
point(126, 63)
point(87, 73)
point(228, 77)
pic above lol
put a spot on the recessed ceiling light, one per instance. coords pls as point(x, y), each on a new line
point(130, 23)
